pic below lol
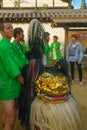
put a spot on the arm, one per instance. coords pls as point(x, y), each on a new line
point(51, 47)
point(80, 53)
point(20, 78)
point(47, 48)
point(58, 45)
point(10, 66)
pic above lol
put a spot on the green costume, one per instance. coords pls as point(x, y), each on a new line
point(18, 52)
point(25, 48)
point(46, 51)
point(9, 69)
point(55, 51)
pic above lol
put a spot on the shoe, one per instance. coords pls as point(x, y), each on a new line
point(80, 83)
point(72, 81)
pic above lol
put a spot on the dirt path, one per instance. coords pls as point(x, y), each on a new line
point(80, 94)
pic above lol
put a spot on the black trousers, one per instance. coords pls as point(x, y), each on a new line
point(79, 67)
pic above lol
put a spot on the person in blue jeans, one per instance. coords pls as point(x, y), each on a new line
point(74, 56)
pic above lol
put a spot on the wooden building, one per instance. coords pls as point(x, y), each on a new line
point(72, 20)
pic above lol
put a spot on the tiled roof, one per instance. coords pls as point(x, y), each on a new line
point(59, 17)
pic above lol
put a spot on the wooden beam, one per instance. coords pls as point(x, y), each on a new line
point(70, 20)
point(66, 41)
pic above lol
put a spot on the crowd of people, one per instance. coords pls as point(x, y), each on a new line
point(14, 57)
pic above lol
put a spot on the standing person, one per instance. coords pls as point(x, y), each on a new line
point(46, 51)
point(75, 55)
point(19, 38)
point(55, 50)
point(10, 76)
point(19, 50)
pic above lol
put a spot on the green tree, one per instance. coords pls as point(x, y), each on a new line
point(17, 3)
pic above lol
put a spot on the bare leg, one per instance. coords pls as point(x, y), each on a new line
point(9, 114)
point(3, 119)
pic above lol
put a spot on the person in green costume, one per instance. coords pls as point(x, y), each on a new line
point(18, 48)
point(24, 46)
point(46, 51)
point(10, 76)
point(19, 34)
point(55, 50)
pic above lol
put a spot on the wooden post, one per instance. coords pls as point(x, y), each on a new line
point(35, 4)
point(1, 4)
point(53, 3)
point(19, 3)
point(69, 5)
point(66, 41)
point(83, 4)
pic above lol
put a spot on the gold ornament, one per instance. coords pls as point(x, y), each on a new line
point(52, 85)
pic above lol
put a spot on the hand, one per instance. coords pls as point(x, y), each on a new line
point(79, 62)
point(68, 62)
point(48, 54)
point(20, 79)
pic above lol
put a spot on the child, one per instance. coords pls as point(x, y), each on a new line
point(55, 50)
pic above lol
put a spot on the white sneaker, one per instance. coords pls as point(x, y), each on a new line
point(72, 81)
point(80, 83)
